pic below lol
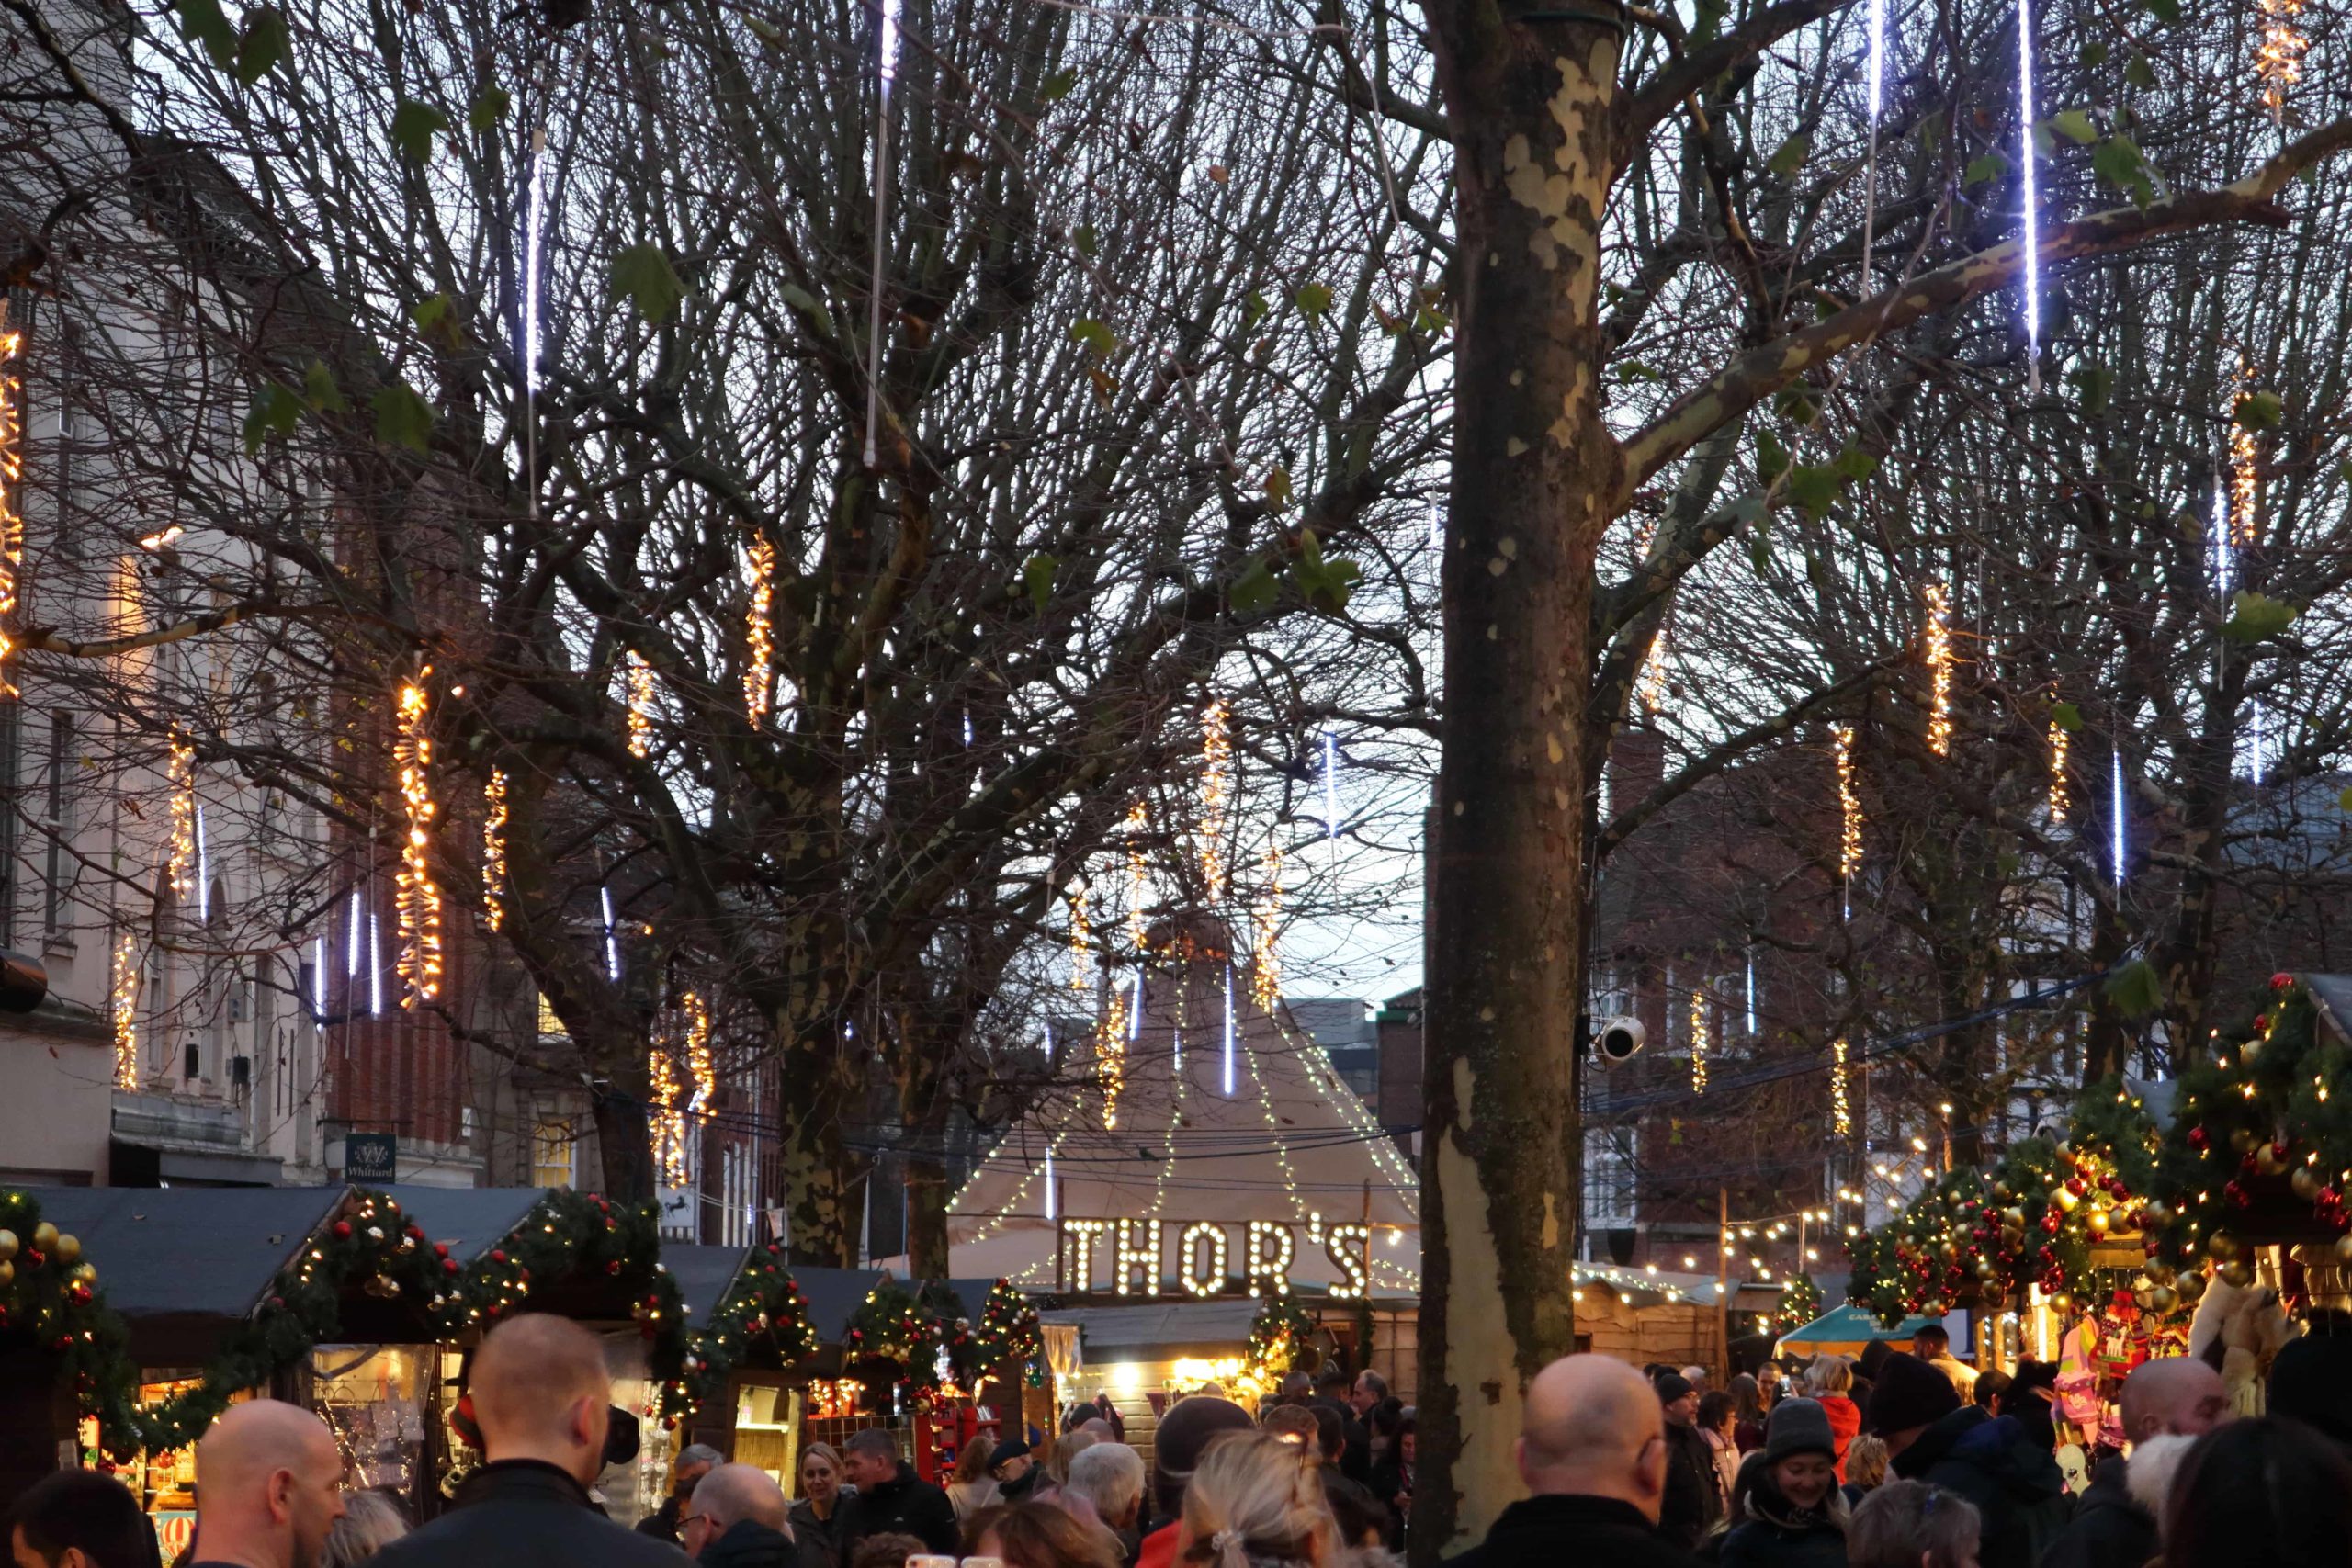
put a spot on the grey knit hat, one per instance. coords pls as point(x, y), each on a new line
point(1798, 1426)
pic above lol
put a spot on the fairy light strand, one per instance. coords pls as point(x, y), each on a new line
point(418, 903)
point(2032, 199)
point(1139, 876)
point(1939, 659)
point(664, 1087)
point(1111, 1055)
point(1216, 788)
point(1849, 810)
point(493, 850)
point(1841, 1111)
point(2059, 743)
point(1265, 960)
point(125, 990)
point(12, 469)
point(640, 707)
point(180, 776)
point(1698, 1042)
point(2279, 58)
point(2246, 478)
point(759, 634)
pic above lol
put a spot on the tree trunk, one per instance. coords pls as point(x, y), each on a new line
point(1535, 479)
point(927, 1198)
point(814, 1169)
point(624, 1144)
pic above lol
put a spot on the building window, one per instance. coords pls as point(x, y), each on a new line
point(551, 1026)
point(1609, 1164)
point(555, 1150)
point(1358, 1069)
point(57, 811)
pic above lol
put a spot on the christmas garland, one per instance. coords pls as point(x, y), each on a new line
point(1008, 1331)
point(1800, 1303)
point(369, 1246)
point(1277, 1336)
point(764, 1299)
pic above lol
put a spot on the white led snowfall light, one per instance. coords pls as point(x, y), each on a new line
point(2032, 217)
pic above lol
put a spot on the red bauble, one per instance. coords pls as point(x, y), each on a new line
point(2077, 1186)
point(497, 1256)
point(343, 1230)
point(614, 1266)
point(440, 1249)
point(2281, 980)
point(278, 1302)
point(2196, 1138)
point(2279, 1153)
point(2051, 1221)
point(449, 1266)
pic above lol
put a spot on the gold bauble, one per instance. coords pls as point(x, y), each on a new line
point(2236, 1273)
point(2159, 1214)
point(88, 1274)
point(2160, 1272)
point(7, 1273)
point(1986, 1270)
point(44, 1237)
point(2066, 1200)
point(2162, 1298)
point(2343, 1247)
point(7, 1245)
point(1948, 1252)
point(2191, 1286)
point(2250, 1050)
point(2242, 1140)
point(2267, 1160)
point(2305, 1183)
point(2220, 1247)
point(2097, 1222)
point(2001, 1191)
point(69, 1247)
point(2013, 1218)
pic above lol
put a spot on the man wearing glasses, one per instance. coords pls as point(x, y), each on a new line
point(1592, 1450)
point(735, 1520)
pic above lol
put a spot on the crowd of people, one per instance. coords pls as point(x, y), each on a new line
point(1892, 1460)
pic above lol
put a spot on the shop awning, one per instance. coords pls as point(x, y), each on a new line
point(180, 1263)
point(833, 1296)
point(470, 1220)
point(1843, 1331)
point(1160, 1331)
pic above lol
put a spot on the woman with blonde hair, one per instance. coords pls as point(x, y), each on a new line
point(370, 1522)
point(815, 1518)
point(1254, 1502)
point(1830, 1380)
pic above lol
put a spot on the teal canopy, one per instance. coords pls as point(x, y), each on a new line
point(1843, 1331)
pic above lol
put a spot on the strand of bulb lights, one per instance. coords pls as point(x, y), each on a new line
point(1111, 1055)
point(1938, 658)
point(126, 1013)
point(418, 902)
point(758, 633)
point(1698, 1043)
point(1217, 766)
point(1265, 960)
point(2059, 745)
point(664, 1087)
point(493, 850)
point(1139, 876)
point(12, 470)
point(1841, 1111)
point(180, 777)
point(1849, 810)
point(2245, 479)
point(1649, 683)
point(640, 707)
point(1081, 941)
point(2279, 58)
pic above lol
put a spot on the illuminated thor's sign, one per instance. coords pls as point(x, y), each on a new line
point(1153, 1258)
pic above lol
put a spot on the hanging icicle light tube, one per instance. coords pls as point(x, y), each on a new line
point(125, 991)
point(2032, 213)
point(493, 850)
point(419, 902)
point(1850, 805)
point(1939, 659)
point(758, 633)
point(180, 775)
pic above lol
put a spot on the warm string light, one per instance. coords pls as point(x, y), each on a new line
point(1698, 1042)
point(1081, 939)
point(1938, 658)
point(1649, 683)
point(418, 903)
point(701, 1070)
point(1111, 1055)
point(180, 774)
point(126, 1013)
point(493, 850)
point(665, 1117)
point(1849, 807)
point(640, 707)
point(1265, 963)
point(2279, 58)
point(2245, 481)
point(2058, 744)
point(12, 469)
point(1216, 784)
point(1841, 1111)
point(758, 633)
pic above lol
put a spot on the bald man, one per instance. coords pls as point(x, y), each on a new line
point(541, 1393)
point(735, 1520)
point(2177, 1396)
point(1592, 1450)
point(268, 1488)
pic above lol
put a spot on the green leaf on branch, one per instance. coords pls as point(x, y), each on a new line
point(272, 417)
point(404, 419)
point(808, 305)
point(1771, 458)
point(1855, 465)
point(1254, 589)
point(2095, 384)
point(765, 30)
point(201, 22)
point(1086, 239)
point(1326, 582)
point(1278, 488)
point(1095, 335)
point(489, 108)
point(414, 126)
point(2134, 989)
point(2140, 71)
point(1254, 307)
point(1980, 170)
point(1760, 535)
point(1312, 300)
point(2118, 161)
point(1790, 156)
point(1795, 405)
point(1056, 87)
point(2164, 11)
point(320, 390)
point(266, 43)
point(2075, 125)
point(1814, 488)
point(2260, 410)
point(2066, 716)
point(436, 317)
point(643, 276)
point(1037, 576)
point(2254, 617)
point(2344, 799)
point(2092, 53)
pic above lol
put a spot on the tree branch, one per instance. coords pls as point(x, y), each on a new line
point(1689, 72)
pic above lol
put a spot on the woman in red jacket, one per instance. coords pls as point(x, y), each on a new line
point(1831, 1380)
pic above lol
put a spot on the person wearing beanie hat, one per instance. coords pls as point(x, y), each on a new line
point(1990, 1460)
point(1795, 1517)
point(2311, 1380)
point(1183, 1436)
point(1694, 1503)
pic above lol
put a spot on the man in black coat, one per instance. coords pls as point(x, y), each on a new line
point(891, 1498)
point(1592, 1451)
point(1693, 1503)
point(694, 1461)
point(1355, 1442)
point(541, 1398)
point(1990, 1460)
point(735, 1520)
point(2177, 1395)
